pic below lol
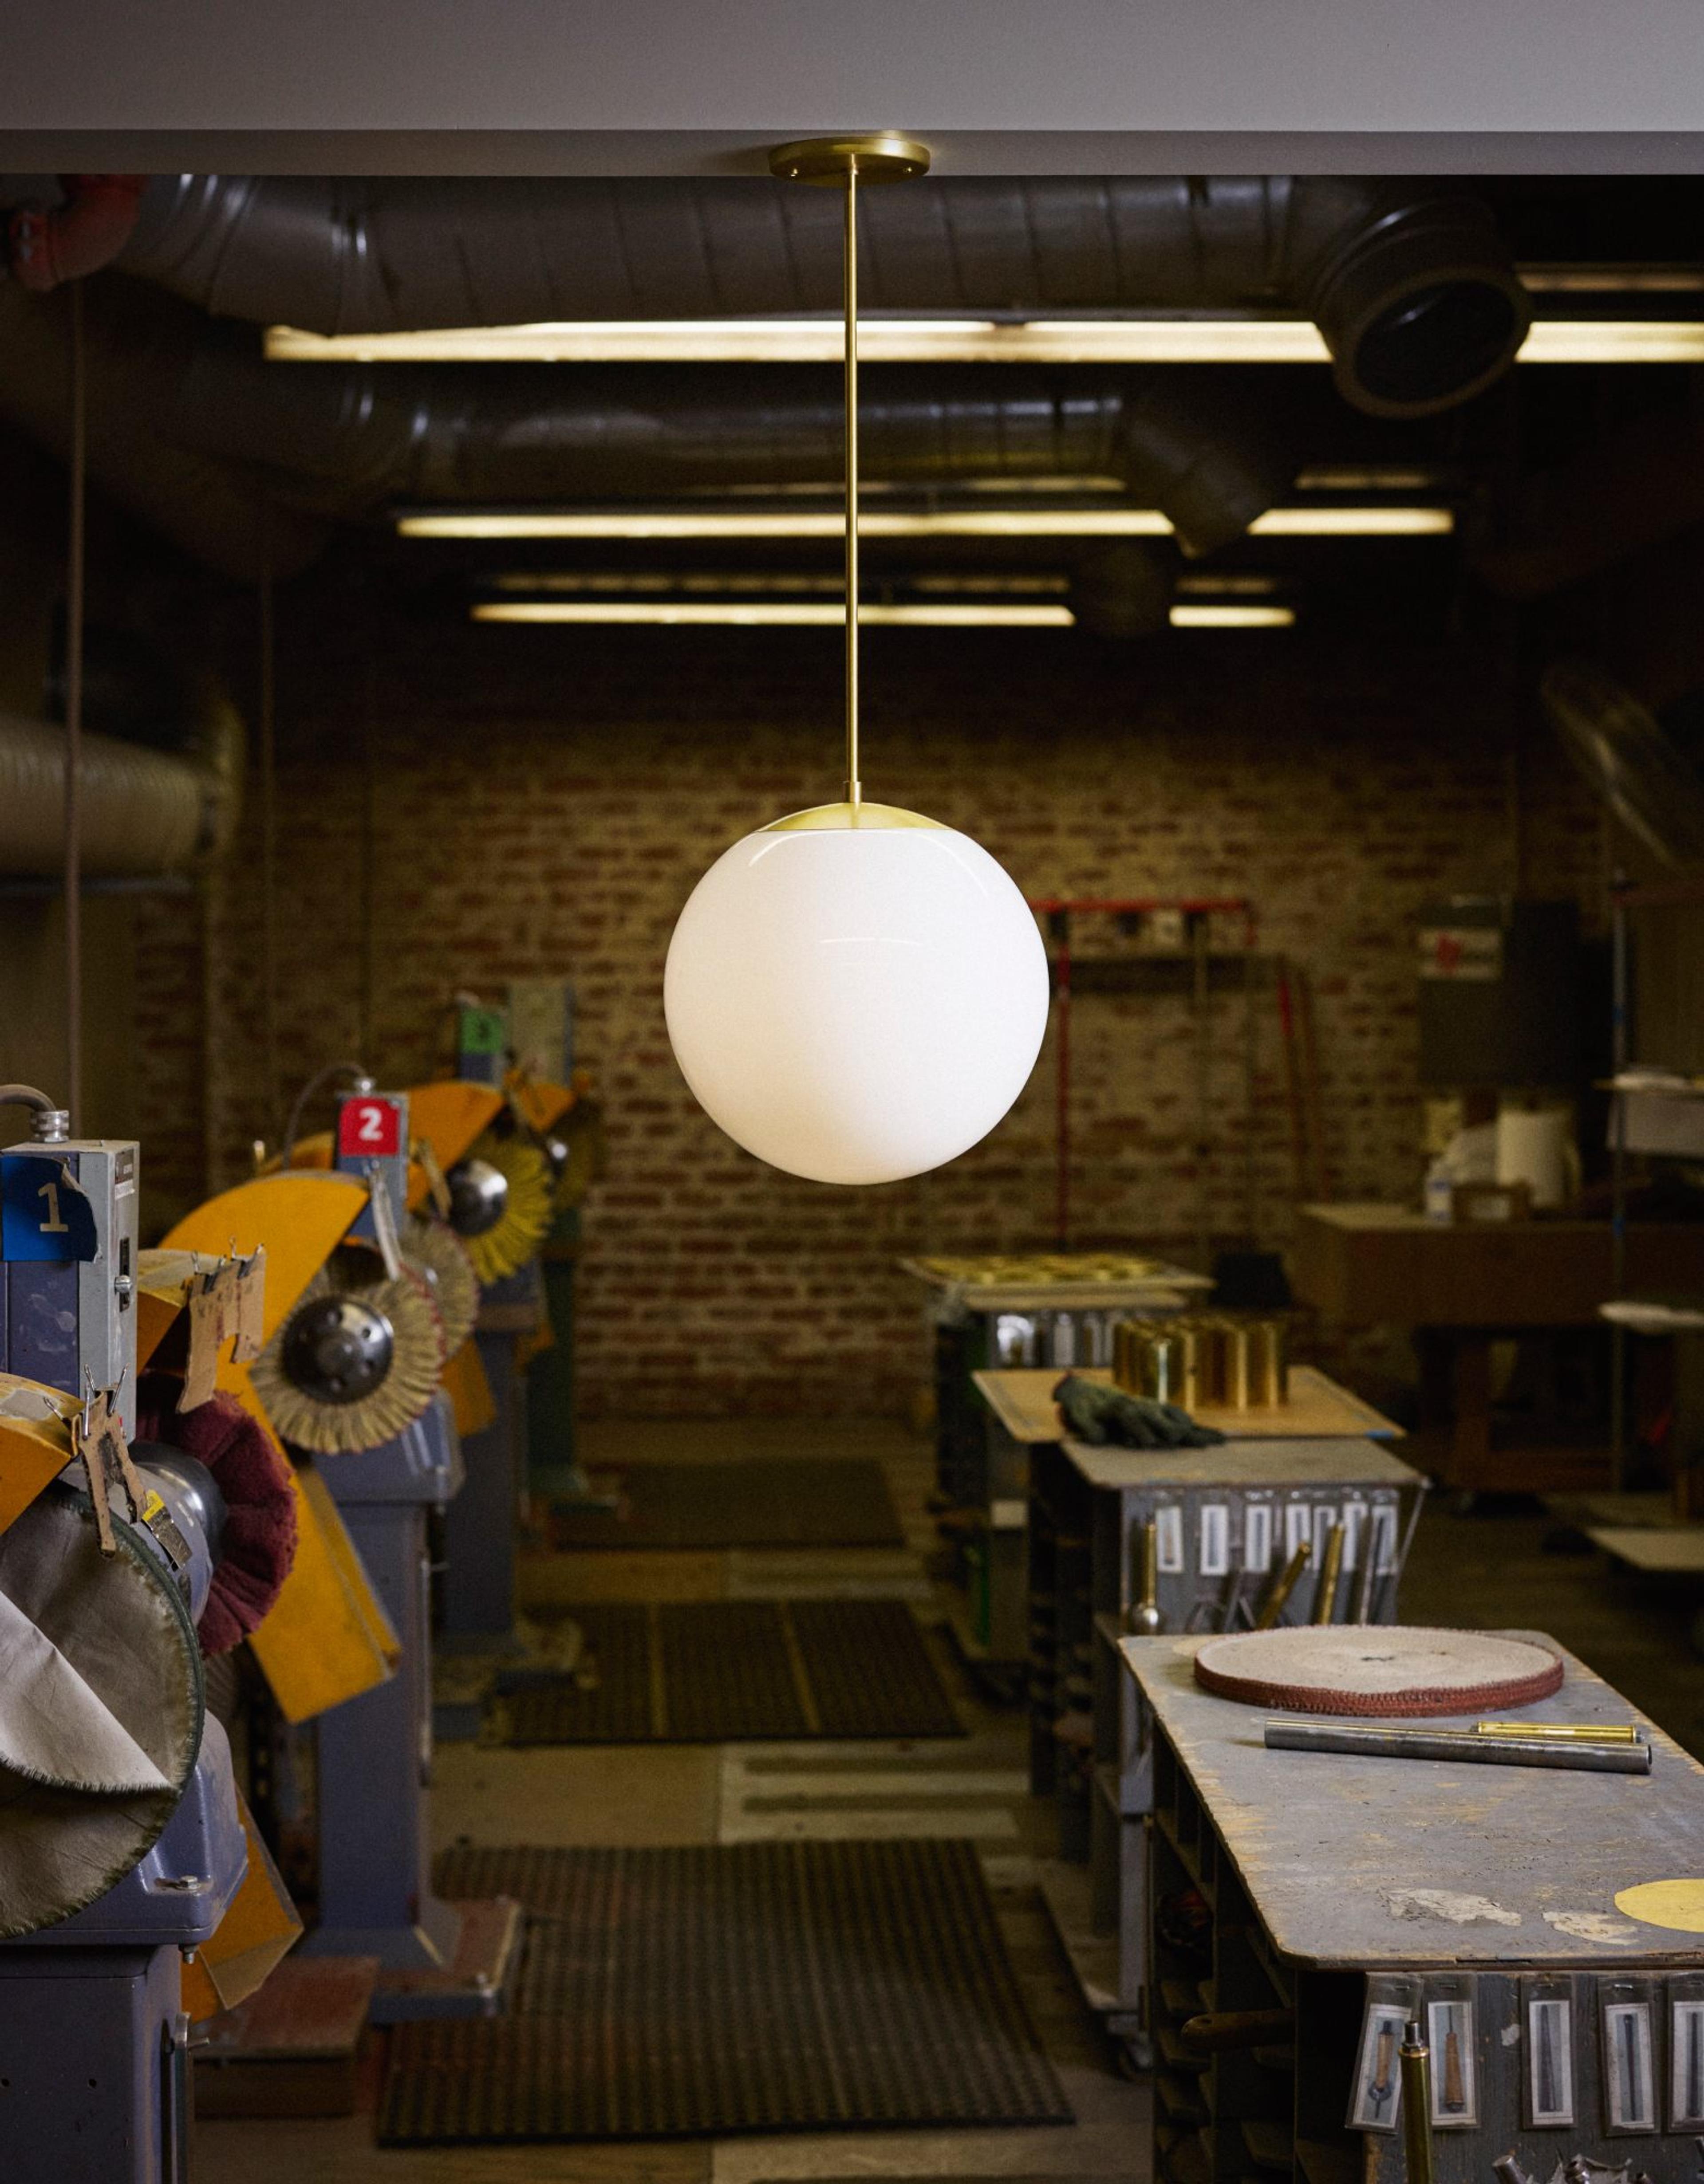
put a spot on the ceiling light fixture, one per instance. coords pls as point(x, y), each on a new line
point(1157, 339)
point(855, 994)
point(755, 614)
point(1227, 614)
point(1393, 520)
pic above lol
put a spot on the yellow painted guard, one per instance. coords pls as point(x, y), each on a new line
point(469, 1391)
point(327, 1639)
point(301, 1218)
point(540, 1103)
point(450, 1113)
point(32, 1451)
point(253, 1938)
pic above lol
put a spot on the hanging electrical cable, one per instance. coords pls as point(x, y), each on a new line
point(76, 580)
point(273, 1106)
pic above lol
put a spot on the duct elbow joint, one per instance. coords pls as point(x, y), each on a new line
point(1419, 303)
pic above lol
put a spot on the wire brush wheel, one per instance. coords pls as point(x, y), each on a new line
point(528, 1212)
point(434, 1251)
point(356, 1362)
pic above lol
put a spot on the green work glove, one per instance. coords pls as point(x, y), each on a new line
point(1097, 1414)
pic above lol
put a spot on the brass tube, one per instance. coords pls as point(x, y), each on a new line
point(1278, 1598)
point(1416, 2106)
point(1325, 1602)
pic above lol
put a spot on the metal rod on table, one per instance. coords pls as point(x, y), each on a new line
point(1456, 1744)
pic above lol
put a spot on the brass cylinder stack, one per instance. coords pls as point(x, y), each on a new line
point(1204, 1361)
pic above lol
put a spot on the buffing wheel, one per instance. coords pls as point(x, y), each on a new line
point(1344, 1669)
point(101, 1708)
point(259, 1543)
point(307, 1417)
point(435, 1252)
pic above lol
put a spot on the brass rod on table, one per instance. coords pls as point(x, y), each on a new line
point(1564, 1732)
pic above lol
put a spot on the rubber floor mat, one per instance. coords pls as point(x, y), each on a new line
point(748, 1988)
point(805, 1501)
point(724, 1671)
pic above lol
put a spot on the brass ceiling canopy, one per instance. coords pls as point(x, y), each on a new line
point(883, 156)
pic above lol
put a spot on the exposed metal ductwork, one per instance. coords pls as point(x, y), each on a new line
point(216, 512)
point(143, 812)
point(1409, 283)
point(354, 442)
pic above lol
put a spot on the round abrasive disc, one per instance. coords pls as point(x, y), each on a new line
point(1348, 1669)
point(77, 1811)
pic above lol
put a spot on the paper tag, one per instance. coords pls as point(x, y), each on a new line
point(251, 1307)
point(99, 1440)
point(206, 1332)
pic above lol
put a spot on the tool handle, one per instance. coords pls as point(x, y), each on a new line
point(1220, 2031)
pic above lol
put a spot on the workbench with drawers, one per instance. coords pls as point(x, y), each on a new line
point(1329, 1899)
point(1227, 1518)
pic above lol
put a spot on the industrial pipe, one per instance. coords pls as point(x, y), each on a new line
point(142, 812)
point(1410, 282)
point(216, 512)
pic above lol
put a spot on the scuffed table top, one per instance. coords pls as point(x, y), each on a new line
point(1362, 1864)
point(1021, 1396)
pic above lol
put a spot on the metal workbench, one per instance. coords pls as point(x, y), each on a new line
point(1229, 1517)
point(1353, 1891)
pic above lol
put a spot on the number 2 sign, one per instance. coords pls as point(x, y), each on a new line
point(368, 1128)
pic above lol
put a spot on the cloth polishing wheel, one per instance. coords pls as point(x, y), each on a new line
point(512, 1237)
point(434, 1251)
point(1337, 1668)
point(356, 1360)
point(101, 1708)
point(257, 1543)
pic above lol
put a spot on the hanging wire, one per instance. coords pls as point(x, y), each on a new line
point(75, 589)
point(369, 856)
point(269, 840)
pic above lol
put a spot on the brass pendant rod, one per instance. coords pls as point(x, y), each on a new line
point(854, 791)
point(829, 162)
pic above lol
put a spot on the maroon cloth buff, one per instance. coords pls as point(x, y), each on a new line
point(260, 1543)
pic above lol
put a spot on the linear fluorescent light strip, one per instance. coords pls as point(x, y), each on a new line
point(722, 584)
point(1364, 522)
point(1229, 615)
point(763, 613)
point(946, 340)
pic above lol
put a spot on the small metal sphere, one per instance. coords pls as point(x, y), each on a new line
point(338, 1349)
point(478, 1194)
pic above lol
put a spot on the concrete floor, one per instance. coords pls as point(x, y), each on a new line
point(973, 1787)
point(1491, 1569)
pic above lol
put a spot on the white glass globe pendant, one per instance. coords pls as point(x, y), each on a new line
point(855, 994)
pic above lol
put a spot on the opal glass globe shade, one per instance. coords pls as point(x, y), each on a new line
point(856, 999)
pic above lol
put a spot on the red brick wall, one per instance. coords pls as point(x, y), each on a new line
point(546, 801)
